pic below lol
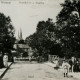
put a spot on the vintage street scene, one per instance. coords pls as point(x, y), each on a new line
point(40, 40)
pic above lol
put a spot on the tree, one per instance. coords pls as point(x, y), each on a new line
point(44, 39)
point(68, 22)
point(21, 41)
point(69, 6)
point(7, 31)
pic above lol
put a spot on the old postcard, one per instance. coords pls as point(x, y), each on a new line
point(39, 39)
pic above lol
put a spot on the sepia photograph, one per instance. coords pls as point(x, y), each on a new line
point(39, 39)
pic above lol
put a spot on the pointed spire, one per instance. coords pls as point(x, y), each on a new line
point(21, 34)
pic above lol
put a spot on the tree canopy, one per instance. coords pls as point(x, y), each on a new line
point(68, 22)
point(7, 31)
point(44, 39)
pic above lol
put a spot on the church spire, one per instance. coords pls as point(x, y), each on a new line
point(20, 34)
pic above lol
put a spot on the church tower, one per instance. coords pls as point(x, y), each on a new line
point(20, 34)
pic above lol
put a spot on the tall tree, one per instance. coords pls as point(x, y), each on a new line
point(68, 22)
point(44, 39)
point(7, 31)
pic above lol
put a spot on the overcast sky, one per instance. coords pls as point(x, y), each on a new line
point(27, 15)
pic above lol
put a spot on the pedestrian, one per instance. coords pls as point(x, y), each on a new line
point(66, 67)
point(77, 65)
point(57, 63)
point(12, 59)
point(73, 59)
point(71, 64)
point(30, 58)
point(5, 60)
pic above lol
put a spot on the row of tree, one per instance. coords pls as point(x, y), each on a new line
point(62, 37)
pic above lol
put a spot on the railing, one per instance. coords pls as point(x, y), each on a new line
point(23, 59)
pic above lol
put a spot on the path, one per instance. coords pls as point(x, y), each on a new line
point(33, 71)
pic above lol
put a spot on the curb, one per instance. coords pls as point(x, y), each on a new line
point(1, 76)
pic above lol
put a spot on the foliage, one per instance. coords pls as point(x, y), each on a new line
point(44, 39)
point(7, 38)
point(21, 41)
point(68, 22)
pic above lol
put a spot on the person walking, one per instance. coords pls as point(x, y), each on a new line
point(30, 58)
point(66, 67)
point(71, 64)
point(12, 59)
point(73, 59)
point(5, 60)
point(77, 65)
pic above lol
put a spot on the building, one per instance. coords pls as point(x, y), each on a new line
point(21, 48)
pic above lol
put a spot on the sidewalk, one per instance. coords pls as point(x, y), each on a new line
point(74, 74)
point(3, 70)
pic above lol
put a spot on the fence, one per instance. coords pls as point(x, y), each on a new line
point(52, 58)
point(23, 59)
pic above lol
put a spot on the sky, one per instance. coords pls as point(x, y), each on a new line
point(26, 14)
